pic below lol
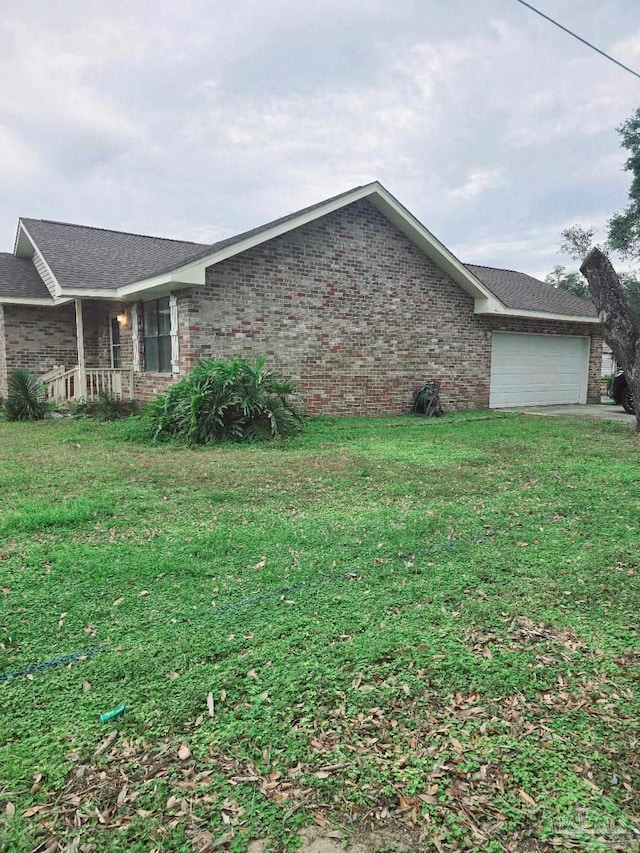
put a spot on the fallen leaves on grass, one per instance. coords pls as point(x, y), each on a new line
point(451, 738)
point(184, 753)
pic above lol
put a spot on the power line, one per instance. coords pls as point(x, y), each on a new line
point(576, 36)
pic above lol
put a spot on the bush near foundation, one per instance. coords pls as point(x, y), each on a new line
point(234, 400)
point(26, 397)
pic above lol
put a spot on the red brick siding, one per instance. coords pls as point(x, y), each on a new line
point(149, 385)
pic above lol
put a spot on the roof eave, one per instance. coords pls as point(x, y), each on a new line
point(537, 315)
point(158, 285)
point(32, 300)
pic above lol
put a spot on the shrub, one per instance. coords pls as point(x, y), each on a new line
point(234, 400)
point(106, 408)
point(26, 398)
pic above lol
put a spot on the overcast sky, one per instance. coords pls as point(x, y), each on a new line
point(197, 120)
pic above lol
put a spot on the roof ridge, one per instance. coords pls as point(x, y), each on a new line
point(503, 269)
point(112, 231)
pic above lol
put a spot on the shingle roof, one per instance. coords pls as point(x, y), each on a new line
point(237, 238)
point(523, 292)
point(19, 279)
point(94, 258)
point(82, 256)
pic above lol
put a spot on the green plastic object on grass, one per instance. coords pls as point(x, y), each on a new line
point(111, 715)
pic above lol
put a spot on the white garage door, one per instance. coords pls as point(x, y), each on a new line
point(538, 370)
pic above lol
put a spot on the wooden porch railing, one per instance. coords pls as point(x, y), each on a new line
point(67, 385)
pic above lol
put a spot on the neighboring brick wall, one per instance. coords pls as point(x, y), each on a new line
point(39, 338)
point(354, 312)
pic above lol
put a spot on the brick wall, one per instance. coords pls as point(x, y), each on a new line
point(353, 311)
point(3, 356)
point(149, 385)
point(38, 338)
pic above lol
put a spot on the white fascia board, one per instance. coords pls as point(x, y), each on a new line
point(89, 293)
point(193, 273)
point(22, 230)
point(160, 285)
point(538, 315)
point(22, 245)
point(166, 282)
point(27, 300)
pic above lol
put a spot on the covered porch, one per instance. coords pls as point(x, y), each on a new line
point(124, 349)
point(76, 383)
point(104, 363)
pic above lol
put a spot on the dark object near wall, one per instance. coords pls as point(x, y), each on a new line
point(426, 401)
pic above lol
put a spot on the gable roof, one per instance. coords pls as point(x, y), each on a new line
point(82, 261)
point(525, 293)
point(193, 272)
point(19, 279)
point(87, 257)
point(81, 256)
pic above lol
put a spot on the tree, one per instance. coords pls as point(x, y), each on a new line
point(624, 227)
point(569, 280)
point(616, 297)
point(577, 242)
point(621, 330)
point(573, 282)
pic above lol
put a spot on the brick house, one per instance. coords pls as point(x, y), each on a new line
point(352, 297)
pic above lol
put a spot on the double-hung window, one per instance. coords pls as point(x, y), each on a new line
point(157, 336)
point(116, 348)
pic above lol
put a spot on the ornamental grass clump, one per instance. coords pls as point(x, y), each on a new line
point(26, 397)
point(234, 400)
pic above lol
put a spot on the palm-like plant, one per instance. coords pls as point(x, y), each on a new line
point(26, 398)
point(234, 400)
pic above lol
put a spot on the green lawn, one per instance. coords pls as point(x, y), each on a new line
point(431, 624)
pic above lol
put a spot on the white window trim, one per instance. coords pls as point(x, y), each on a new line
point(173, 332)
point(135, 338)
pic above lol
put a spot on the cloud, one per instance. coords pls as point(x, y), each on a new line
point(201, 119)
point(477, 183)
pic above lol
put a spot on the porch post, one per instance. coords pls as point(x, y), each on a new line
point(82, 373)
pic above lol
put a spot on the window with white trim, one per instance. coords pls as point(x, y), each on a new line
point(157, 335)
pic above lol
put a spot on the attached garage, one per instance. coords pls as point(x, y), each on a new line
point(538, 370)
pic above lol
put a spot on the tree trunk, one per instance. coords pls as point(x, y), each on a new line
point(620, 329)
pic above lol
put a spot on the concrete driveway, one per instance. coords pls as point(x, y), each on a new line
point(594, 412)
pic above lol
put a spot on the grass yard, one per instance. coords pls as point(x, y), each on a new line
point(431, 627)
